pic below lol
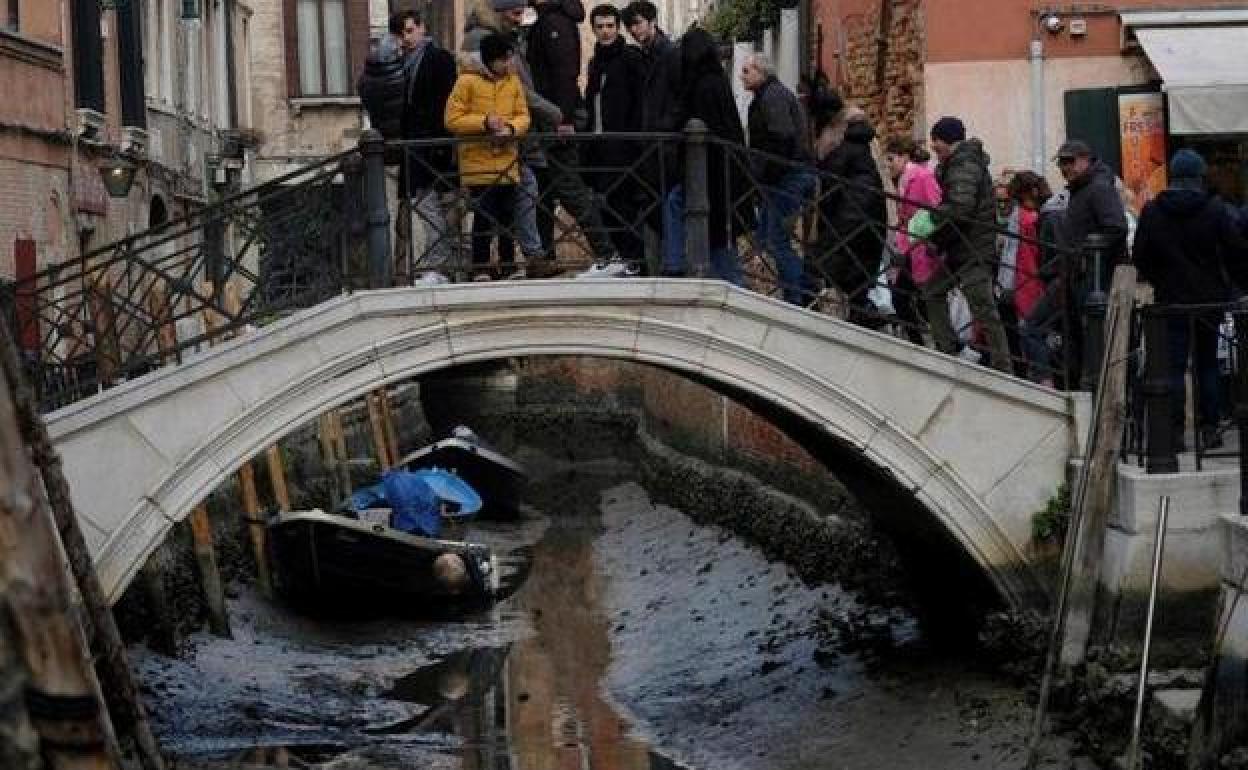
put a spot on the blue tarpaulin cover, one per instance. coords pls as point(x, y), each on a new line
point(419, 499)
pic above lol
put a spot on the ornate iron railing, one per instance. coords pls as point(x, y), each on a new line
point(660, 204)
point(123, 309)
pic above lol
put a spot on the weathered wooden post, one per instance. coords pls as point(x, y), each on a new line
point(104, 331)
point(120, 690)
point(209, 573)
point(384, 461)
point(277, 477)
point(387, 421)
point(62, 695)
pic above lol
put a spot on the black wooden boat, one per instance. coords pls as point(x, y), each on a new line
point(320, 556)
point(498, 479)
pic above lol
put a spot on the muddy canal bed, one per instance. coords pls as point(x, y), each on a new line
point(628, 637)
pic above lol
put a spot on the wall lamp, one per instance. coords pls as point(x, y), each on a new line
point(118, 176)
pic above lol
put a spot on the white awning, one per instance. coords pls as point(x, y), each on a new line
point(1205, 70)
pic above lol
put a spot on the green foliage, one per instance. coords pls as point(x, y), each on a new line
point(737, 20)
point(1049, 525)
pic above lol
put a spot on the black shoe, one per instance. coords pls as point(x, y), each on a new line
point(671, 273)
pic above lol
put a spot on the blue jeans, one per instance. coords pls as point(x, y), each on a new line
point(525, 206)
point(674, 230)
point(779, 205)
point(726, 264)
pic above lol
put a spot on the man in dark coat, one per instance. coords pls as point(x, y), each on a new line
point(777, 124)
point(1094, 207)
point(613, 98)
point(410, 103)
point(965, 231)
point(707, 96)
point(554, 54)
point(660, 113)
point(1188, 246)
point(852, 218)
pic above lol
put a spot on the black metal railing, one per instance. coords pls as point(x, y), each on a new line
point(645, 204)
point(1193, 354)
point(121, 310)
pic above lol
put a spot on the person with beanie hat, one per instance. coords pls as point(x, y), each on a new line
point(1188, 247)
point(963, 227)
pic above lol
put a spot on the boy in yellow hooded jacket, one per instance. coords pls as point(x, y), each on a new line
point(487, 108)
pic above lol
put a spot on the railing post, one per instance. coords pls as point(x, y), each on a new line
point(373, 148)
point(1240, 362)
point(1159, 430)
point(355, 265)
point(697, 201)
point(1095, 253)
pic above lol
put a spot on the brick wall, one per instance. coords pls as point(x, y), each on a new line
point(894, 102)
point(31, 207)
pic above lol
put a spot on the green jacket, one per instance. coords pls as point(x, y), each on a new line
point(967, 216)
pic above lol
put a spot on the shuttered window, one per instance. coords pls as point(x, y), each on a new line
point(325, 44)
point(88, 55)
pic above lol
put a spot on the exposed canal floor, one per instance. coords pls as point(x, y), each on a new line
point(628, 638)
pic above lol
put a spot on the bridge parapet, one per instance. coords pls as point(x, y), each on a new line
point(981, 450)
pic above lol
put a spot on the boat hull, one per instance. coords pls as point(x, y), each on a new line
point(319, 556)
point(499, 480)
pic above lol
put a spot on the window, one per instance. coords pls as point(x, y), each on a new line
point(88, 55)
point(323, 62)
point(326, 41)
point(13, 19)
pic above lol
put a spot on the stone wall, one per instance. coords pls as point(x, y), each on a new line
point(893, 103)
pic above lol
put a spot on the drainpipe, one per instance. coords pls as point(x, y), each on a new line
point(1037, 99)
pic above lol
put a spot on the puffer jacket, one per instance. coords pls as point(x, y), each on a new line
point(383, 87)
point(966, 218)
point(481, 20)
point(554, 53)
point(1096, 207)
point(478, 93)
point(1188, 247)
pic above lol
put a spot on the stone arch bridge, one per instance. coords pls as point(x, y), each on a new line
point(979, 450)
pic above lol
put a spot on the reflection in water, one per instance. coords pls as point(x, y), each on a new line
point(538, 704)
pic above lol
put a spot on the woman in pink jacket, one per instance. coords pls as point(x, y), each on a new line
point(918, 188)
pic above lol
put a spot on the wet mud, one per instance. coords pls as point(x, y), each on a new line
point(630, 635)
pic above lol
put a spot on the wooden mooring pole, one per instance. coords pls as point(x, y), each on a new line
point(63, 701)
point(382, 447)
point(106, 647)
point(209, 573)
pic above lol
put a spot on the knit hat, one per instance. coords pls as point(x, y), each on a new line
point(495, 47)
point(1187, 164)
point(507, 5)
point(949, 130)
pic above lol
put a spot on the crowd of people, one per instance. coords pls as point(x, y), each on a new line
point(983, 268)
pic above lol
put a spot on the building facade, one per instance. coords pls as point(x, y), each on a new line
point(1025, 75)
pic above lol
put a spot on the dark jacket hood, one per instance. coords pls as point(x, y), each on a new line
point(1183, 204)
point(573, 9)
point(859, 131)
point(969, 149)
point(1098, 170)
point(699, 54)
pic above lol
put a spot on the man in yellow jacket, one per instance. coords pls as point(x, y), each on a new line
point(488, 110)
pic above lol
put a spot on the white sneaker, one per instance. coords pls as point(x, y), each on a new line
point(432, 278)
point(613, 269)
point(969, 353)
point(519, 274)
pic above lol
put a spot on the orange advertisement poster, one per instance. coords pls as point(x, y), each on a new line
point(1142, 127)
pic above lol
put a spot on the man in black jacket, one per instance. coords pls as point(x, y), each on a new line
point(410, 100)
point(613, 98)
point(554, 54)
point(777, 127)
point(1187, 245)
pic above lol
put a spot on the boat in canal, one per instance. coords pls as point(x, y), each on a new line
point(321, 557)
point(499, 479)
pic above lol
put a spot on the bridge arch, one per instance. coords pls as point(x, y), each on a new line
point(930, 421)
